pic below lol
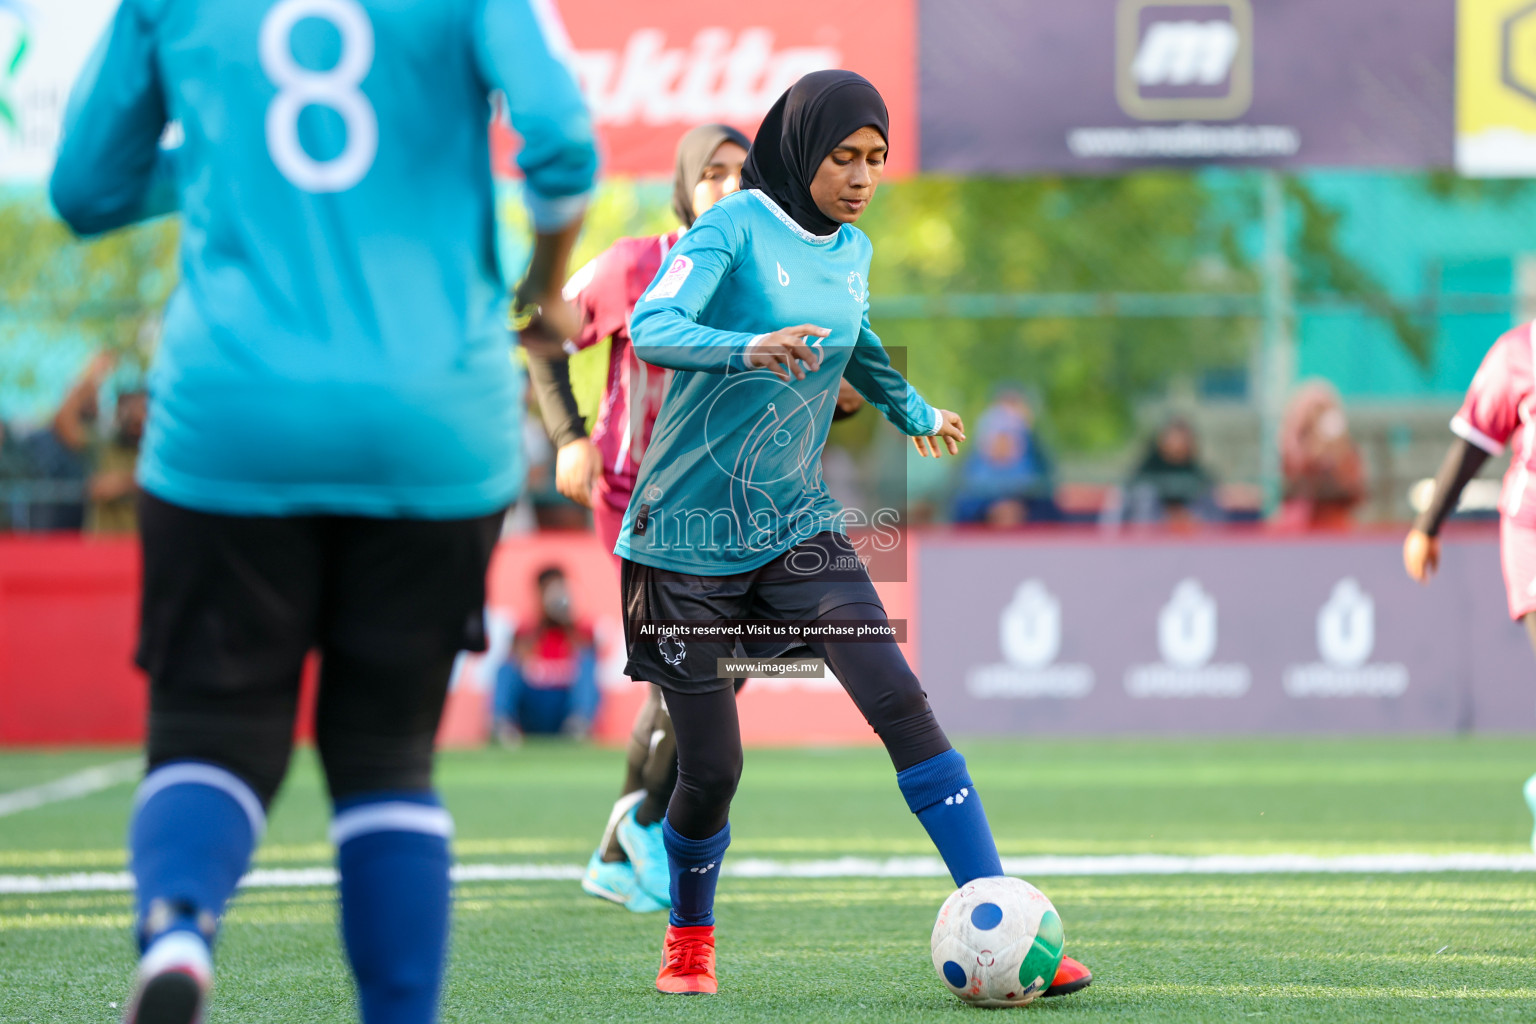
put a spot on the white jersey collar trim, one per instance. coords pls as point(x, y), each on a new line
point(789, 221)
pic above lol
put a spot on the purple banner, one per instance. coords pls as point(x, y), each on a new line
point(1094, 86)
point(1290, 636)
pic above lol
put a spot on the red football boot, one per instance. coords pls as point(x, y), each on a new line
point(688, 961)
point(1071, 977)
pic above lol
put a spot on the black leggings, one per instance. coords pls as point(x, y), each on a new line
point(876, 676)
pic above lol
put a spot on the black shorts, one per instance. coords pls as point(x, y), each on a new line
point(807, 582)
point(231, 605)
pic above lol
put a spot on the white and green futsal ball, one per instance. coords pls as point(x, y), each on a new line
point(997, 942)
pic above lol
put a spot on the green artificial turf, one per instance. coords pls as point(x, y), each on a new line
point(1166, 948)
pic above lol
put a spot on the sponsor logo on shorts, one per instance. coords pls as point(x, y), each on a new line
point(673, 650)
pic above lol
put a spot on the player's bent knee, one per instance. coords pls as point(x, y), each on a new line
point(710, 785)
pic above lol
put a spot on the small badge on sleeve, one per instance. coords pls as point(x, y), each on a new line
point(672, 281)
point(642, 520)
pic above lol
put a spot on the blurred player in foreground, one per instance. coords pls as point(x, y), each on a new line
point(629, 866)
point(329, 451)
point(730, 519)
point(1500, 409)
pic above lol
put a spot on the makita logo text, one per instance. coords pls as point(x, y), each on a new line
point(721, 76)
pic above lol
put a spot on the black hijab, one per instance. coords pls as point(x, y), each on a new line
point(807, 123)
point(694, 152)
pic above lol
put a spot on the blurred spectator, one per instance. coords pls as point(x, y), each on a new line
point(60, 455)
point(1323, 474)
point(1170, 485)
point(112, 489)
point(1007, 478)
point(15, 468)
point(548, 683)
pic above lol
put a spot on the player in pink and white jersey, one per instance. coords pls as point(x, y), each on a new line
point(1498, 412)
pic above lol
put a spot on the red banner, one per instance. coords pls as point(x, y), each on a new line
point(652, 71)
point(69, 616)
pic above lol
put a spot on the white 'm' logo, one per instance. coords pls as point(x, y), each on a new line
point(1170, 67)
point(1029, 630)
point(1186, 53)
point(783, 277)
point(1186, 628)
point(1346, 626)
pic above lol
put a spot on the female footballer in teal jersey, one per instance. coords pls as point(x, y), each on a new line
point(730, 518)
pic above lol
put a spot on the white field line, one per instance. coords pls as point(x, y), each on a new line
point(69, 787)
point(867, 867)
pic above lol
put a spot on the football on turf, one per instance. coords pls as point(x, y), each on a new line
point(997, 942)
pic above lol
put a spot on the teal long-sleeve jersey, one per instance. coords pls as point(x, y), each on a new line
point(337, 342)
point(732, 476)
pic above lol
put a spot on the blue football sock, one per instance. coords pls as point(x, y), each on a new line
point(193, 829)
point(392, 852)
point(695, 865)
point(940, 793)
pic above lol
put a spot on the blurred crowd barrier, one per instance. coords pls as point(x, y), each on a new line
point(1032, 632)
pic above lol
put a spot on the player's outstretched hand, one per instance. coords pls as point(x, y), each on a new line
point(577, 468)
point(785, 351)
point(951, 429)
point(1421, 555)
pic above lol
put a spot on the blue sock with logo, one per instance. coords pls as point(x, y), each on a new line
point(695, 865)
point(190, 839)
point(392, 853)
point(939, 791)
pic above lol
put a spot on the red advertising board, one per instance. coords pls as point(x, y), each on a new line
point(652, 71)
point(69, 615)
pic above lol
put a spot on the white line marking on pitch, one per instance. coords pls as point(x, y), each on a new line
point(868, 867)
point(79, 784)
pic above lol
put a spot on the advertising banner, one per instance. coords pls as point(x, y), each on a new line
point(43, 45)
point(1496, 88)
point(1017, 86)
point(652, 71)
point(1321, 635)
